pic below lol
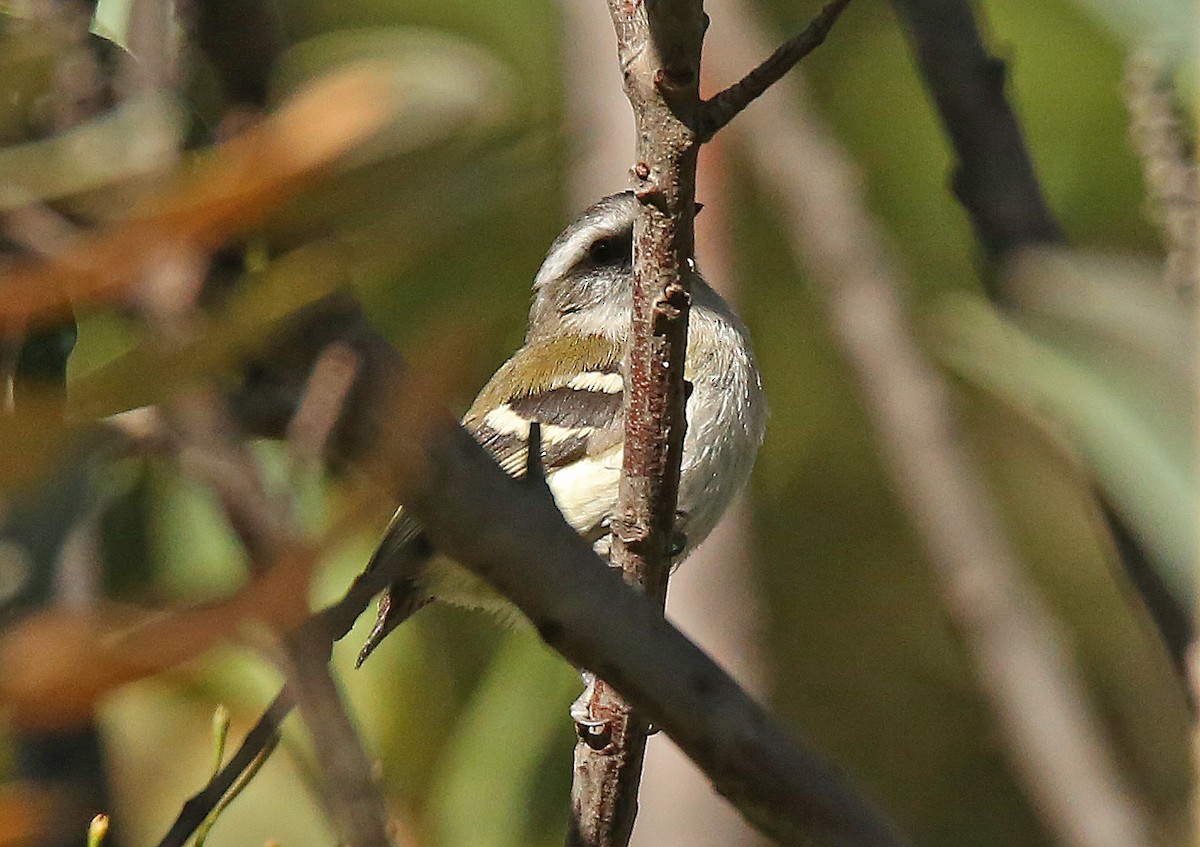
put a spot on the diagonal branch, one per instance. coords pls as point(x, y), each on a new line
point(724, 106)
point(998, 187)
point(511, 534)
point(995, 178)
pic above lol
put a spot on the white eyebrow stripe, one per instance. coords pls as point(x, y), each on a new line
point(596, 381)
point(565, 257)
point(505, 421)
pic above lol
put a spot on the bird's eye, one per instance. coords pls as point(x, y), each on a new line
point(605, 250)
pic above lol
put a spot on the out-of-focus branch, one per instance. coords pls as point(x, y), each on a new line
point(226, 195)
point(243, 39)
point(1158, 136)
point(326, 627)
point(995, 178)
point(351, 793)
point(997, 185)
point(264, 525)
point(322, 403)
point(1053, 738)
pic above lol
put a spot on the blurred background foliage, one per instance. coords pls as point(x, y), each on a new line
point(443, 222)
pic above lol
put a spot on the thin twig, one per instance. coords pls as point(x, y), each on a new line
point(267, 531)
point(209, 452)
point(352, 794)
point(261, 738)
point(244, 778)
point(1054, 739)
point(327, 626)
point(724, 106)
point(322, 403)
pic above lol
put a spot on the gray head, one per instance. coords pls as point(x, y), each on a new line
point(586, 281)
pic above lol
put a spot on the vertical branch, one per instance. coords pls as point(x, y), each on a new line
point(715, 598)
point(659, 51)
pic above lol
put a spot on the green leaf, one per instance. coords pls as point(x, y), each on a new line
point(490, 770)
point(1137, 448)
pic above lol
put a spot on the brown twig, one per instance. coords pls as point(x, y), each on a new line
point(1053, 738)
point(209, 452)
point(659, 51)
point(724, 106)
point(351, 793)
point(329, 625)
point(322, 403)
point(713, 604)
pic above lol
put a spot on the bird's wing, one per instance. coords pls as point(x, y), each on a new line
point(572, 387)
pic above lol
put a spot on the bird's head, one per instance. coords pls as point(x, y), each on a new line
point(585, 284)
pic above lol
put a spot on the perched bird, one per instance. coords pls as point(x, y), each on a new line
point(568, 377)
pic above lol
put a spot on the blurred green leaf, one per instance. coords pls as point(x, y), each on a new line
point(482, 794)
point(1149, 478)
point(153, 371)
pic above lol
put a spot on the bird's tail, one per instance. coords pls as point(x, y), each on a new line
point(403, 551)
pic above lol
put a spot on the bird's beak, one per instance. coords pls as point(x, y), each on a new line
point(699, 208)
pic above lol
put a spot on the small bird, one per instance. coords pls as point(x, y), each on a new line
point(569, 378)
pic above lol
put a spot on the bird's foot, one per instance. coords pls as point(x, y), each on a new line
point(593, 729)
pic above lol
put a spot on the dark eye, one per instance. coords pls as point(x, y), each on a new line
point(605, 251)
